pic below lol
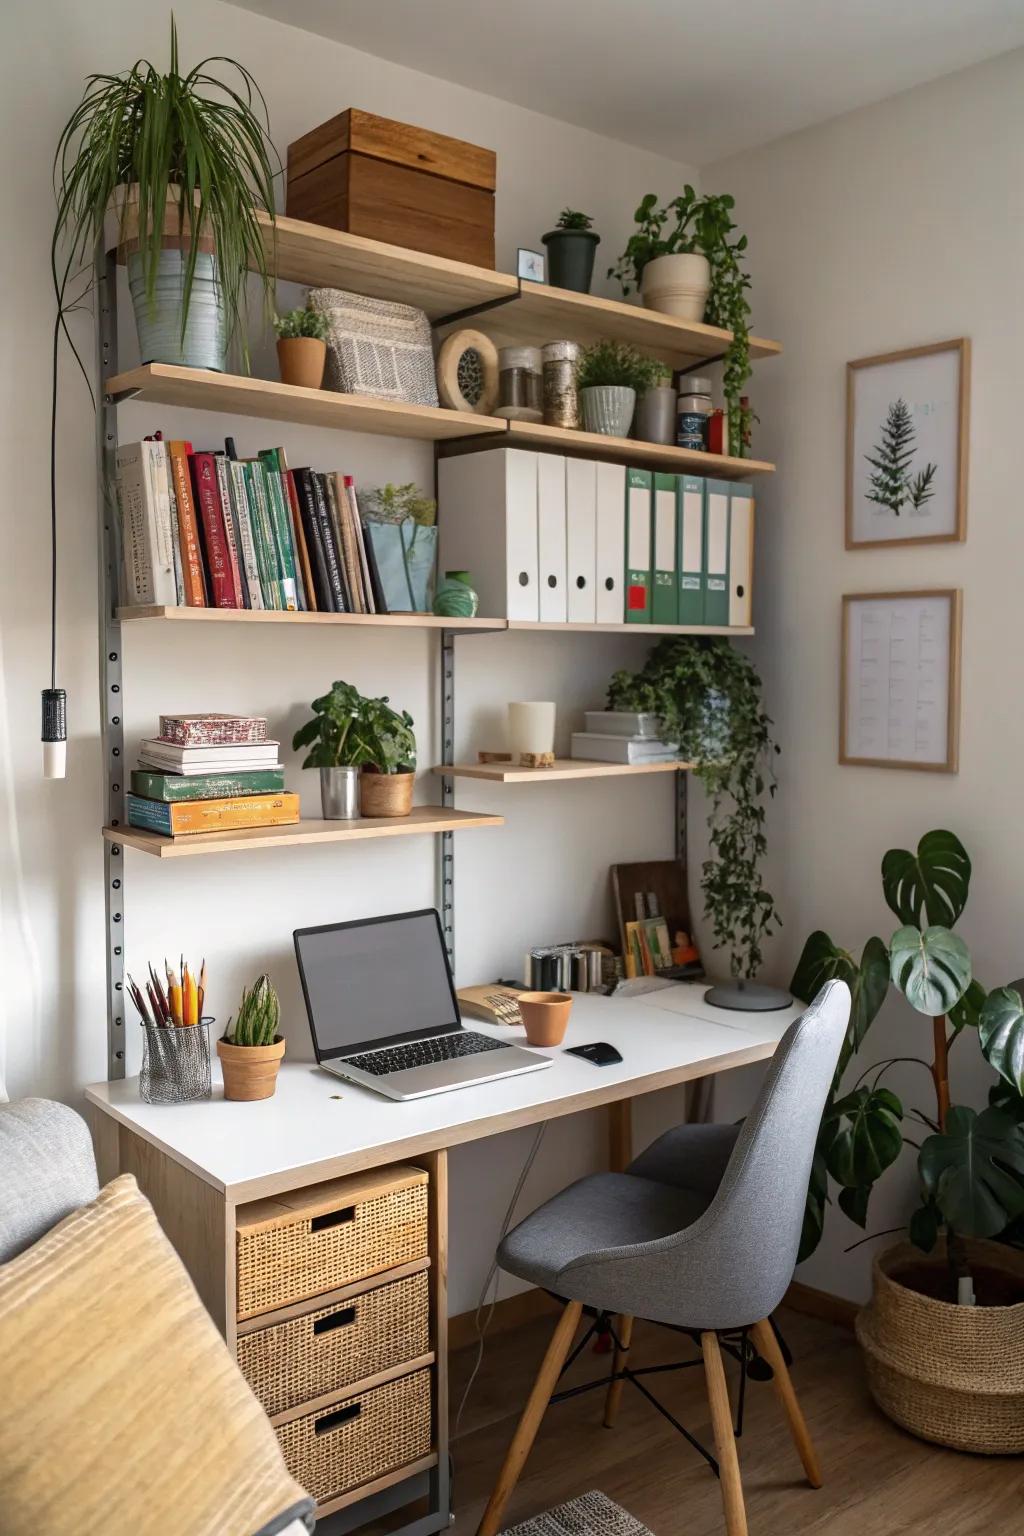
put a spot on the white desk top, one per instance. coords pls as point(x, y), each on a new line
point(320, 1127)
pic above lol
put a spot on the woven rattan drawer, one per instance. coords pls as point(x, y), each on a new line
point(359, 1438)
point(308, 1241)
point(331, 1347)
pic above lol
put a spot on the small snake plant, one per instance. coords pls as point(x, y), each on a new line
point(258, 1017)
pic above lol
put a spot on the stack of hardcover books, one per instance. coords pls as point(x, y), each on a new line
point(622, 736)
point(209, 773)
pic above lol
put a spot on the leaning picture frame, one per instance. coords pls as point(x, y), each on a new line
point(907, 429)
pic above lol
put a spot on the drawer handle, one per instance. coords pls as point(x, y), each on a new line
point(339, 1319)
point(340, 1416)
point(333, 1218)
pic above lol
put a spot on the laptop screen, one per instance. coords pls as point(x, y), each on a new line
point(365, 983)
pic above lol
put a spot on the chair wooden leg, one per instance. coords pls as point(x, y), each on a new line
point(725, 1440)
point(624, 1329)
point(767, 1346)
point(529, 1422)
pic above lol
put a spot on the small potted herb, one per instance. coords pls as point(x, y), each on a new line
point(301, 347)
point(365, 751)
point(656, 408)
point(609, 376)
point(251, 1050)
point(571, 246)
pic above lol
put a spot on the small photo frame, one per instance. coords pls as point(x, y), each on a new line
point(899, 685)
point(531, 266)
point(907, 446)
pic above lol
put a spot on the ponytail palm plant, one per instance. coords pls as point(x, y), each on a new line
point(200, 139)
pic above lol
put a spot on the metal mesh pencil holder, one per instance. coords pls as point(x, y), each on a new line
point(175, 1063)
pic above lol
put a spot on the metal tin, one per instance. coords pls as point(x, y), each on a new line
point(519, 384)
point(561, 401)
point(339, 793)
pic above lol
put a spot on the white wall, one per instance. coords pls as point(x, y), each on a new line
point(899, 224)
point(543, 876)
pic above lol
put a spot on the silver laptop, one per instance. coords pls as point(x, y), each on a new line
point(383, 1011)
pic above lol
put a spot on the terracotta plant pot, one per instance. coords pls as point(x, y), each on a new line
point(250, 1071)
point(545, 1015)
point(301, 361)
point(386, 794)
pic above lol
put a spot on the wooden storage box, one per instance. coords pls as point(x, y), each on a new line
point(327, 1349)
point(360, 1438)
point(313, 1240)
point(388, 181)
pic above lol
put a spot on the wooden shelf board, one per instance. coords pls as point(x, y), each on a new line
point(273, 616)
point(422, 819)
point(541, 313)
point(628, 450)
point(638, 630)
point(165, 384)
point(330, 258)
point(562, 768)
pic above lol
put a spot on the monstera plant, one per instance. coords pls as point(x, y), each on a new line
point(971, 1163)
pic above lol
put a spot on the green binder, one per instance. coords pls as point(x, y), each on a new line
point(638, 546)
point(664, 569)
point(716, 552)
point(690, 557)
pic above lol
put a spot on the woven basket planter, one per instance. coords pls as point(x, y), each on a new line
point(953, 1375)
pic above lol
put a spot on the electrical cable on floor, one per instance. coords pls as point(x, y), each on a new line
point(492, 1277)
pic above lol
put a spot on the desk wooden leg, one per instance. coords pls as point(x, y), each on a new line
point(620, 1155)
point(529, 1423)
point(767, 1346)
point(725, 1439)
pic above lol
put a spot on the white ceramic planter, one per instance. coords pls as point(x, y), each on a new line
point(607, 409)
point(677, 285)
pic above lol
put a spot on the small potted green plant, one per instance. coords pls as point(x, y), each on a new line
point(656, 408)
point(609, 377)
point(365, 751)
point(571, 246)
point(252, 1047)
point(301, 347)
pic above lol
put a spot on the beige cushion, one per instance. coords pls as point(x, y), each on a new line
point(121, 1409)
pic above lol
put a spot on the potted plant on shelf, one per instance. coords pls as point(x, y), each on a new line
point(301, 347)
point(685, 262)
point(609, 376)
point(943, 1335)
point(708, 697)
point(571, 246)
point(366, 753)
point(251, 1050)
point(180, 167)
point(656, 408)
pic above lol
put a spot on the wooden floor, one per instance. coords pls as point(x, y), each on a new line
point(878, 1480)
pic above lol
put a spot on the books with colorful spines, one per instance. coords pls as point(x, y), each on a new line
point(307, 593)
point(146, 541)
point(188, 529)
point(341, 598)
point(192, 817)
point(206, 786)
point(303, 481)
point(357, 524)
point(169, 758)
point(280, 519)
point(212, 729)
point(168, 505)
point(231, 529)
point(247, 543)
point(262, 534)
point(345, 533)
point(213, 533)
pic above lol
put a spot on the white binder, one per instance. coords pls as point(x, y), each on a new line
point(487, 525)
point(611, 542)
point(581, 539)
point(741, 555)
point(551, 536)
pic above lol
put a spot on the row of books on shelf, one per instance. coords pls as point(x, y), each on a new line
point(209, 773)
point(210, 529)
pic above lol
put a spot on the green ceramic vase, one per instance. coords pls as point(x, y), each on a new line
point(455, 598)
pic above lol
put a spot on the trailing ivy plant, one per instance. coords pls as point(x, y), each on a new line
point(702, 225)
point(971, 1164)
point(708, 697)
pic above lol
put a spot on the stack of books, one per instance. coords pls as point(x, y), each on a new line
point(212, 530)
point(622, 736)
point(209, 773)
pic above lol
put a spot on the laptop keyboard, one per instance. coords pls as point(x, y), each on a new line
point(423, 1053)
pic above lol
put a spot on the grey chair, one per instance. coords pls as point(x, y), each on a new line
point(701, 1233)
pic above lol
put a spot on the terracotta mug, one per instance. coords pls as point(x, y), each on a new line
point(546, 1016)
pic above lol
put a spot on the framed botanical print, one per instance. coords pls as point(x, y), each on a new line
point(899, 684)
point(906, 446)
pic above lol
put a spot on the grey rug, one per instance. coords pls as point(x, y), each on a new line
point(592, 1514)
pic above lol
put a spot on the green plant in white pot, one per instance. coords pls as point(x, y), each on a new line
point(178, 168)
point(609, 377)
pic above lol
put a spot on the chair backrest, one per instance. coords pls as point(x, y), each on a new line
point(49, 1170)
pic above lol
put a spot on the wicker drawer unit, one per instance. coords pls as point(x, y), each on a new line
point(301, 1244)
point(329, 1348)
point(358, 1439)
